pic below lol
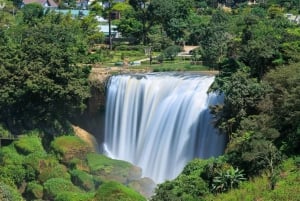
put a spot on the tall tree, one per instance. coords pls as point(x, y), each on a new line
point(41, 83)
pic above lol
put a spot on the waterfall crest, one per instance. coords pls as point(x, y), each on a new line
point(159, 122)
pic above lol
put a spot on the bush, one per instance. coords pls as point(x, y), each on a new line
point(4, 132)
point(8, 193)
point(50, 168)
point(16, 173)
point(74, 196)
point(115, 191)
point(33, 191)
point(129, 48)
point(171, 52)
point(83, 180)
point(10, 156)
point(57, 186)
point(188, 188)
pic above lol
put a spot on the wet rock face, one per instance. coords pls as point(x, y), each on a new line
point(145, 186)
point(121, 171)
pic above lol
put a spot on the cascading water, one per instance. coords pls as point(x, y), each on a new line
point(159, 122)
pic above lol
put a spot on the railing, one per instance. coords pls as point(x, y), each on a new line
point(8, 139)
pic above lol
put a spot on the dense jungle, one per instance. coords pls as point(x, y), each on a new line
point(46, 58)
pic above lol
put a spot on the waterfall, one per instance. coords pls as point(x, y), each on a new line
point(160, 122)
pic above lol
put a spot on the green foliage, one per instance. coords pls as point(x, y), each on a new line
point(171, 52)
point(74, 196)
point(50, 168)
point(57, 186)
point(258, 188)
point(84, 180)
point(34, 191)
point(242, 95)
point(4, 132)
point(108, 169)
point(98, 162)
point(8, 193)
point(40, 79)
point(32, 13)
point(29, 144)
point(192, 184)
point(115, 191)
point(16, 173)
point(184, 187)
point(10, 156)
point(227, 180)
point(284, 105)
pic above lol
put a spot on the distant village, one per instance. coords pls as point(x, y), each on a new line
point(81, 9)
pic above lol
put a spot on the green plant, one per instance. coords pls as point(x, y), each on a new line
point(56, 186)
point(33, 191)
point(8, 193)
point(83, 180)
point(4, 132)
point(171, 52)
point(226, 180)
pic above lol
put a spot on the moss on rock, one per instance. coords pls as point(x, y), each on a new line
point(113, 191)
point(84, 180)
point(29, 144)
point(57, 186)
point(108, 169)
point(49, 168)
point(70, 147)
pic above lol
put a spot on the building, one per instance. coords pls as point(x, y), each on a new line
point(293, 18)
point(48, 4)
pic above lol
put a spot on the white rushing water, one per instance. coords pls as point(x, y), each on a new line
point(159, 122)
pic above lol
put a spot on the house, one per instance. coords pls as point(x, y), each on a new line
point(48, 4)
point(105, 30)
point(293, 18)
point(74, 13)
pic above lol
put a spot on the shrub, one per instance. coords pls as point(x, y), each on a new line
point(226, 180)
point(171, 52)
point(115, 191)
point(4, 132)
point(184, 187)
point(56, 186)
point(9, 156)
point(15, 172)
point(50, 168)
point(83, 180)
point(33, 191)
point(8, 193)
point(75, 196)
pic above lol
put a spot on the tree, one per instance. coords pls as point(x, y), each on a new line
point(171, 52)
point(130, 26)
point(32, 13)
point(284, 105)
point(41, 84)
point(169, 13)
